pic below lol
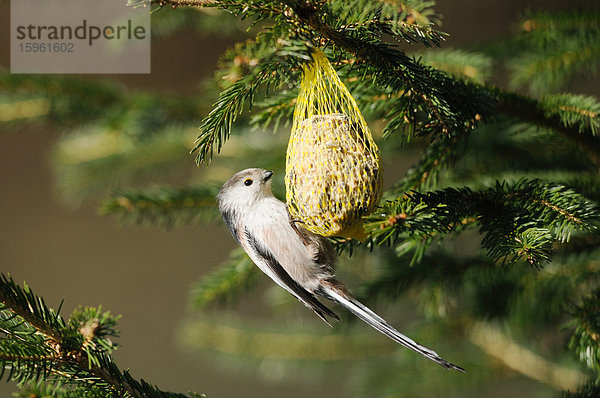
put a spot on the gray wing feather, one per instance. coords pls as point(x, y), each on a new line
point(291, 285)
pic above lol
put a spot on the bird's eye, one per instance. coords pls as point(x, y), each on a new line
point(248, 182)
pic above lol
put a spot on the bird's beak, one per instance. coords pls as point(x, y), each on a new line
point(267, 176)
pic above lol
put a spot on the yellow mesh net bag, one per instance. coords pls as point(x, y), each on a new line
point(333, 168)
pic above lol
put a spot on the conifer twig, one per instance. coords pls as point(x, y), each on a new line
point(77, 352)
point(531, 111)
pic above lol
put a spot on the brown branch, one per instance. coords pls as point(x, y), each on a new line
point(529, 110)
point(582, 112)
point(185, 3)
point(32, 358)
point(28, 316)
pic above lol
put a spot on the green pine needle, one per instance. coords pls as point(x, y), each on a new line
point(574, 111)
point(41, 351)
point(518, 222)
point(589, 390)
point(216, 127)
point(556, 48)
point(460, 64)
point(167, 207)
point(229, 280)
point(584, 340)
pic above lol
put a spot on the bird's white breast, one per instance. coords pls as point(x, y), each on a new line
point(269, 223)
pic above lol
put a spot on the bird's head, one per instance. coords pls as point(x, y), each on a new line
point(245, 188)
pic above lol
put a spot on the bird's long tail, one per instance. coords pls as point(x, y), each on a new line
point(342, 297)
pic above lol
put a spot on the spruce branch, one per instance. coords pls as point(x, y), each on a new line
point(543, 27)
point(544, 72)
point(563, 210)
point(409, 21)
point(216, 127)
point(589, 390)
point(245, 9)
point(38, 346)
point(23, 303)
point(459, 64)
point(208, 24)
point(62, 100)
point(584, 340)
point(587, 184)
point(445, 101)
point(46, 390)
point(518, 222)
point(101, 159)
point(424, 174)
point(575, 111)
point(164, 206)
point(545, 115)
point(275, 110)
point(555, 48)
point(440, 269)
point(475, 99)
point(444, 105)
point(238, 274)
point(23, 109)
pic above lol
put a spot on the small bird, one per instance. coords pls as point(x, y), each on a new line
point(298, 260)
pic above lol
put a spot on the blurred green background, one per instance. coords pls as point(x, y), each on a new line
point(66, 250)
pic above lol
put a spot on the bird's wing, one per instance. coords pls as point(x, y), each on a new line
point(269, 264)
point(321, 249)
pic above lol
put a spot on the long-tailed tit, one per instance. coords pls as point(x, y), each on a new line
point(296, 259)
